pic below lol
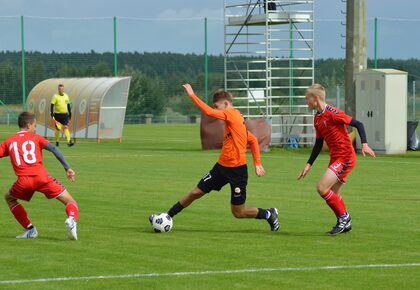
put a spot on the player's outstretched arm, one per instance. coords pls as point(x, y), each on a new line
point(314, 154)
point(259, 170)
point(255, 151)
point(367, 150)
point(304, 171)
point(71, 175)
point(54, 150)
point(363, 139)
point(203, 106)
point(189, 90)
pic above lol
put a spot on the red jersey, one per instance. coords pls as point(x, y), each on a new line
point(330, 124)
point(235, 136)
point(24, 149)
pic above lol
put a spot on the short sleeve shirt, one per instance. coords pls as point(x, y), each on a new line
point(25, 151)
point(330, 124)
point(60, 103)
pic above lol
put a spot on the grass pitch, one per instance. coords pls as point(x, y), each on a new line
point(119, 185)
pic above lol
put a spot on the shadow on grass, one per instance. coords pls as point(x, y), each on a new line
point(236, 232)
point(42, 238)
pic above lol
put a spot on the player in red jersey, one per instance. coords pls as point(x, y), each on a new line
point(330, 126)
point(231, 167)
point(24, 149)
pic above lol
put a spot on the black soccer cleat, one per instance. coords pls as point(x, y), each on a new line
point(273, 220)
point(347, 227)
point(70, 144)
point(343, 225)
point(57, 144)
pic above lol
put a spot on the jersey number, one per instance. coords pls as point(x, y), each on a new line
point(28, 155)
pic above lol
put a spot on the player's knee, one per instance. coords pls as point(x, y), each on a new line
point(66, 198)
point(321, 189)
point(71, 201)
point(8, 198)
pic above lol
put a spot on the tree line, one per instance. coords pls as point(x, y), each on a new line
point(156, 77)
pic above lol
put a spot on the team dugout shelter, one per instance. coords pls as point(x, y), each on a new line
point(98, 106)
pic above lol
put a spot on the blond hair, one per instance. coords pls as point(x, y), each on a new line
point(316, 90)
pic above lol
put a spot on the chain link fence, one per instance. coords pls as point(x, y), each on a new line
point(75, 47)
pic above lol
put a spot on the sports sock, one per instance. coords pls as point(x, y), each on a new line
point(67, 133)
point(176, 208)
point(72, 210)
point(335, 202)
point(20, 215)
point(262, 214)
point(57, 135)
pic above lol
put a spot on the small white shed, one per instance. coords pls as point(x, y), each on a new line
point(381, 105)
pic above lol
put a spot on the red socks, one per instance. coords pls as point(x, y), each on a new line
point(335, 202)
point(20, 215)
point(72, 210)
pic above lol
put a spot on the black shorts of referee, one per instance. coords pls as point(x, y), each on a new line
point(62, 118)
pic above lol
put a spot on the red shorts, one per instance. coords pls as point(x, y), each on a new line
point(342, 167)
point(25, 187)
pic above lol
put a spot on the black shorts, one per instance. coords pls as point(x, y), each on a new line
point(62, 118)
point(219, 176)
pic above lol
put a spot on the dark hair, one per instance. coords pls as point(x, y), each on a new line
point(60, 85)
point(25, 118)
point(221, 95)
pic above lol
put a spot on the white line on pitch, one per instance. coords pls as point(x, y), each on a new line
point(215, 272)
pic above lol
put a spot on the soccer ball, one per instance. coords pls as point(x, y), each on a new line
point(162, 223)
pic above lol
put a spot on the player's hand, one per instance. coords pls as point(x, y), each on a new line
point(259, 170)
point(304, 171)
point(368, 150)
point(71, 175)
point(189, 89)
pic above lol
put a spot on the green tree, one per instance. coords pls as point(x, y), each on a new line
point(146, 95)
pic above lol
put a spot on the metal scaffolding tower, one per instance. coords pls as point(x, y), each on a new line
point(269, 62)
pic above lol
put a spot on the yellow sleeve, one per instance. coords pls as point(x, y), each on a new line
point(67, 99)
point(53, 100)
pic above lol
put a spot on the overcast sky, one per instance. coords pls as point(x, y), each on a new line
point(177, 26)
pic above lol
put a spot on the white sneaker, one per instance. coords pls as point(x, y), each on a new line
point(71, 226)
point(28, 234)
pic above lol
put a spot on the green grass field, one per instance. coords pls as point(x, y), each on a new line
point(119, 185)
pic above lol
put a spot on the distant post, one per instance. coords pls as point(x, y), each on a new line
point(206, 72)
point(22, 34)
point(356, 52)
point(291, 90)
point(115, 48)
point(376, 43)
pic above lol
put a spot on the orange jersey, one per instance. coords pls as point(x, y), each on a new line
point(235, 137)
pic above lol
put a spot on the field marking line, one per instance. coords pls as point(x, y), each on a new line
point(174, 153)
point(214, 272)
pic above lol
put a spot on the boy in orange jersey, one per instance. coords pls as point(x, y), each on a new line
point(231, 167)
